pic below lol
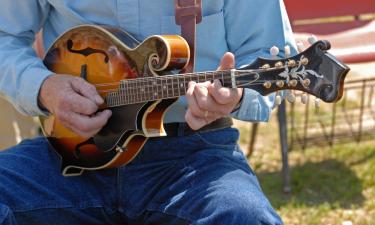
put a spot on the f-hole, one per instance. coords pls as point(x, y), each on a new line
point(87, 51)
point(84, 72)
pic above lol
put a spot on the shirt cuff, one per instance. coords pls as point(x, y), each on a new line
point(254, 107)
point(32, 80)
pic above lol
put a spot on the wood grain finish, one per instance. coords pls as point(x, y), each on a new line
point(104, 56)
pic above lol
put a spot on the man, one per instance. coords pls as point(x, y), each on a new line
point(195, 177)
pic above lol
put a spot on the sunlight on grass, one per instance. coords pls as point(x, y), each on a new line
point(329, 185)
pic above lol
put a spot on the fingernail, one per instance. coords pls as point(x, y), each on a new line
point(108, 112)
point(99, 100)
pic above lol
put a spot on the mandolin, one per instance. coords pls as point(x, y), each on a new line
point(139, 82)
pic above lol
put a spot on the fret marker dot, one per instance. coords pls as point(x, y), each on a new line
point(182, 85)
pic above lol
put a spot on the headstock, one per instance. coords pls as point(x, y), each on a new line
point(314, 71)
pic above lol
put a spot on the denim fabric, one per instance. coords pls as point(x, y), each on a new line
point(199, 179)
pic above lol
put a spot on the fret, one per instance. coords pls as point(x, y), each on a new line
point(143, 90)
point(185, 84)
point(136, 90)
point(166, 84)
point(213, 76)
point(202, 77)
point(114, 98)
point(108, 99)
point(176, 85)
point(126, 86)
point(153, 88)
point(129, 91)
point(150, 89)
point(120, 90)
point(160, 91)
point(171, 86)
point(125, 91)
point(222, 77)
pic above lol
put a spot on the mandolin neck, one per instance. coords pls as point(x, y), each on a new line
point(147, 89)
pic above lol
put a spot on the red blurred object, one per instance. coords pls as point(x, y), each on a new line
point(348, 24)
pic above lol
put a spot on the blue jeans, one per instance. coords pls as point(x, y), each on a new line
point(198, 179)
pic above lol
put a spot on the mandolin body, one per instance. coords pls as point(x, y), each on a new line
point(104, 56)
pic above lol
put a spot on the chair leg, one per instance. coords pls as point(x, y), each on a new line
point(253, 135)
point(281, 115)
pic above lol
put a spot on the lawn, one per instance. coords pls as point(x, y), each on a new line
point(329, 185)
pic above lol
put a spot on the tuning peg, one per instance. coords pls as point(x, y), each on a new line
point(300, 46)
point(287, 51)
point(304, 98)
point(312, 39)
point(278, 99)
point(274, 51)
point(291, 97)
point(317, 103)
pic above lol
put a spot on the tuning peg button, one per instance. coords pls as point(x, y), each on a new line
point(312, 39)
point(280, 83)
point(304, 98)
point(317, 103)
point(279, 65)
point(274, 51)
point(293, 83)
point(290, 97)
point(287, 51)
point(278, 100)
point(267, 84)
point(306, 83)
point(300, 47)
point(266, 67)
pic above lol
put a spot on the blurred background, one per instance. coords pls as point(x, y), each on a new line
point(320, 167)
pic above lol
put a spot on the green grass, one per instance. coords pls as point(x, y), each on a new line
point(329, 185)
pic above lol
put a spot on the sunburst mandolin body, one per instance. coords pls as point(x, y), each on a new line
point(104, 57)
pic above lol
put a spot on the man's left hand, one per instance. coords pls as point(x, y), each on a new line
point(208, 101)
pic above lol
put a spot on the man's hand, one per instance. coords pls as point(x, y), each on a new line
point(208, 101)
point(75, 103)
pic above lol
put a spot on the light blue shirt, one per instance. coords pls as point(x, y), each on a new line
point(248, 28)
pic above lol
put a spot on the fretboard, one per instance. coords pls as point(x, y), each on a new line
point(147, 89)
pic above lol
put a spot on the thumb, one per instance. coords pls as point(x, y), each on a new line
point(227, 61)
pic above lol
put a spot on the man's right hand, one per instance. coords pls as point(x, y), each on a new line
point(75, 103)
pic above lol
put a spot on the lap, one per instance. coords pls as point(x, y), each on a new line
point(196, 179)
point(213, 184)
point(31, 184)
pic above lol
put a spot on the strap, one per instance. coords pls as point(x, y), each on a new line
point(188, 13)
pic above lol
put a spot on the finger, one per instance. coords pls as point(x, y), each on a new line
point(87, 90)
point(227, 61)
point(192, 102)
point(78, 104)
point(207, 103)
point(86, 126)
point(223, 95)
point(195, 122)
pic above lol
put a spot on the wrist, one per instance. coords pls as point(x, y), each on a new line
point(238, 106)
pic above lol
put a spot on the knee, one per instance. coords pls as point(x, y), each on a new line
point(244, 209)
point(6, 215)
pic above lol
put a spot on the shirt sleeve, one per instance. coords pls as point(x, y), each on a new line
point(21, 71)
point(253, 27)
